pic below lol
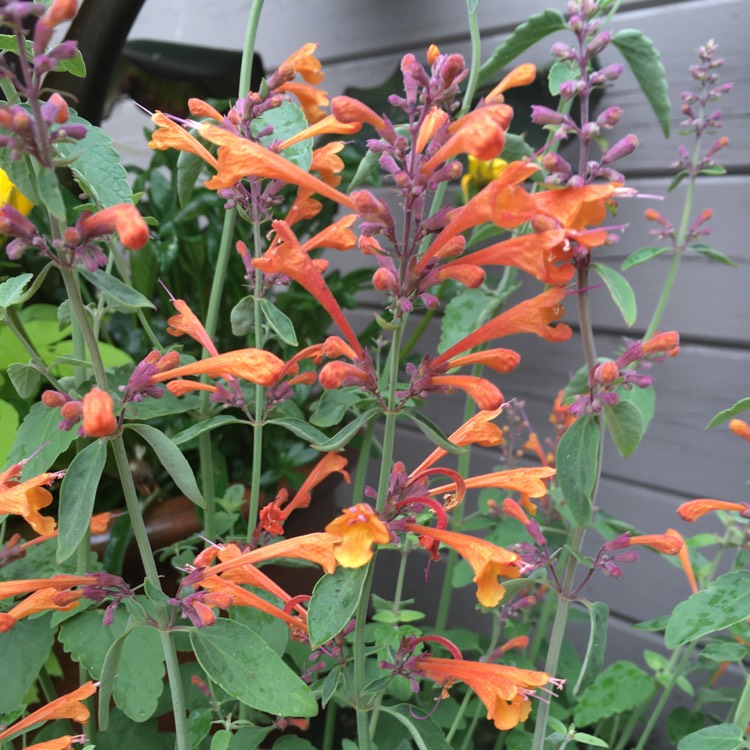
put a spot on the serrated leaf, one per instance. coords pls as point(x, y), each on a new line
point(537, 27)
point(344, 435)
point(718, 737)
point(77, 495)
point(25, 379)
point(73, 65)
point(424, 732)
point(597, 645)
point(725, 602)
point(644, 61)
point(560, 72)
point(726, 414)
point(578, 466)
point(300, 428)
point(620, 687)
point(620, 290)
point(171, 458)
point(709, 252)
point(12, 289)
point(280, 323)
point(643, 255)
point(433, 433)
point(97, 167)
point(334, 600)
point(242, 316)
point(287, 120)
point(625, 425)
point(242, 664)
point(117, 293)
point(205, 425)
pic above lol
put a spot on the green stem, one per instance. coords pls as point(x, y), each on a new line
point(248, 49)
point(329, 729)
point(45, 682)
point(476, 56)
point(629, 728)
point(472, 726)
point(742, 712)
point(541, 627)
point(208, 488)
point(459, 715)
point(358, 490)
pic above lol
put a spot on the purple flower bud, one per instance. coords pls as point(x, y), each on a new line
point(545, 116)
point(619, 542)
point(568, 89)
point(610, 569)
point(555, 163)
point(610, 117)
point(598, 43)
point(624, 147)
point(562, 51)
point(590, 130)
point(611, 72)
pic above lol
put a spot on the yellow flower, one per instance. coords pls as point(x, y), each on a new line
point(479, 174)
point(10, 195)
point(359, 528)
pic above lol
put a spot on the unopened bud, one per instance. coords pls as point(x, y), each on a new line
point(606, 373)
point(598, 43)
point(98, 414)
point(53, 399)
point(433, 52)
point(71, 410)
point(624, 147)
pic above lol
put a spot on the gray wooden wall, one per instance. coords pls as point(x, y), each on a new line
point(361, 41)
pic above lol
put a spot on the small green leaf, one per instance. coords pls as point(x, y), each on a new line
point(625, 424)
point(560, 72)
point(280, 323)
point(433, 433)
point(154, 594)
point(578, 466)
point(25, 379)
point(189, 167)
point(717, 737)
point(589, 739)
point(524, 36)
point(300, 428)
point(644, 399)
point(643, 255)
point(221, 740)
point(714, 169)
point(73, 65)
point(205, 425)
point(333, 602)
point(49, 189)
point(644, 61)
point(117, 293)
point(287, 120)
point(594, 659)
point(330, 685)
point(726, 414)
point(12, 289)
point(620, 290)
point(725, 602)
point(21, 174)
point(515, 149)
point(424, 732)
point(77, 495)
point(709, 252)
point(368, 166)
point(172, 460)
point(676, 180)
point(657, 625)
point(242, 316)
point(725, 651)
point(241, 663)
point(106, 683)
point(345, 434)
point(8, 428)
point(333, 405)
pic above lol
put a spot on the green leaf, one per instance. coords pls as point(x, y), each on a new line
point(12, 289)
point(718, 737)
point(249, 738)
point(205, 425)
point(221, 739)
point(189, 167)
point(589, 739)
point(38, 435)
point(424, 732)
point(333, 405)
point(433, 433)
point(8, 428)
point(274, 632)
point(368, 165)
point(242, 664)
point(515, 149)
point(300, 428)
point(73, 65)
point(280, 323)
point(167, 405)
point(117, 293)
point(560, 72)
point(625, 424)
point(49, 189)
point(537, 27)
point(726, 414)
point(644, 399)
point(682, 721)
point(242, 316)
point(292, 742)
point(287, 120)
point(676, 180)
point(712, 254)
point(199, 725)
point(96, 166)
point(642, 255)
point(344, 435)
point(620, 290)
point(468, 310)
point(154, 594)
point(594, 659)
point(620, 687)
point(333, 603)
point(25, 648)
point(172, 460)
point(657, 625)
point(577, 466)
point(77, 495)
point(330, 685)
point(725, 651)
point(725, 602)
point(21, 173)
point(109, 669)
point(125, 733)
point(25, 379)
point(714, 169)
point(644, 61)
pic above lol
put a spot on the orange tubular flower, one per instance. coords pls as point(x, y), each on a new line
point(325, 126)
point(239, 158)
point(684, 557)
point(39, 601)
point(347, 109)
point(358, 528)
point(26, 498)
point(98, 414)
point(186, 322)
point(28, 585)
point(169, 134)
point(69, 706)
point(740, 428)
point(486, 395)
point(199, 108)
point(311, 99)
point(60, 743)
point(504, 690)
point(667, 544)
point(327, 163)
point(124, 219)
point(692, 510)
point(336, 236)
point(305, 63)
point(522, 75)
point(433, 121)
point(528, 481)
point(487, 560)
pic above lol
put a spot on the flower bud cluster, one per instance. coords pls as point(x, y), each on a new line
point(141, 384)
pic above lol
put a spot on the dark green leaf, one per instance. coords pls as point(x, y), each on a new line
point(537, 27)
point(644, 60)
point(205, 425)
point(279, 322)
point(73, 65)
point(344, 435)
point(242, 664)
point(117, 293)
point(242, 316)
point(300, 429)
point(725, 602)
point(683, 721)
point(368, 165)
point(625, 424)
point(433, 433)
point(12, 289)
point(172, 460)
point(125, 733)
point(221, 740)
point(515, 149)
point(97, 167)
point(718, 737)
point(286, 120)
point(642, 255)
point(77, 495)
point(594, 659)
point(49, 189)
point(578, 466)
point(560, 72)
point(620, 687)
point(333, 602)
point(199, 725)
point(330, 685)
point(292, 742)
point(709, 252)
point(424, 732)
point(154, 594)
point(25, 379)
point(620, 290)
point(333, 405)
point(160, 407)
point(726, 414)
point(189, 167)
